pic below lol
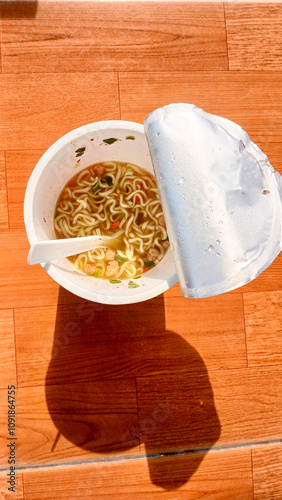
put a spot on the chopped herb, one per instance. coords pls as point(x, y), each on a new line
point(131, 284)
point(96, 188)
point(115, 281)
point(109, 180)
point(111, 140)
point(97, 273)
point(130, 137)
point(80, 151)
point(121, 215)
point(137, 277)
point(165, 239)
point(149, 263)
point(118, 258)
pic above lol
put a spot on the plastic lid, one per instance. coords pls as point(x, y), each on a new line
point(220, 195)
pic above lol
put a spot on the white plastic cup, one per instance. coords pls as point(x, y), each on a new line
point(54, 169)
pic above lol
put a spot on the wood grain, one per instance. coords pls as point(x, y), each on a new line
point(263, 327)
point(171, 397)
point(248, 402)
point(37, 109)
point(220, 475)
point(123, 36)
point(254, 35)
point(73, 422)
point(23, 284)
point(5, 494)
point(217, 321)
point(7, 342)
point(267, 466)
point(225, 407)
point(80, 333)
point(249, 98)
point(20, 165)
point(4, 221)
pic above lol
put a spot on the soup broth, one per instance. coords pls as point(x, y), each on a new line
point(103, 199)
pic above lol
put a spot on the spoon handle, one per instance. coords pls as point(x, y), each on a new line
point(45, 251)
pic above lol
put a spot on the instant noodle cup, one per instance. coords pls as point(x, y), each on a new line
point(119, 141)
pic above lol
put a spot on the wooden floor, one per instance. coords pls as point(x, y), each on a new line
point(172, 398)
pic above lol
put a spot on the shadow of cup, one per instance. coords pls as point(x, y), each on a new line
point(118, 379)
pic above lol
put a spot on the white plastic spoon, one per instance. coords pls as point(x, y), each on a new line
point(48, 250)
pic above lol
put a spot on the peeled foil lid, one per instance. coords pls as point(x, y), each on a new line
point(221, 199)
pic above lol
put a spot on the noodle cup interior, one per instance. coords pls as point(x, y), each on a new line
point(55, 168)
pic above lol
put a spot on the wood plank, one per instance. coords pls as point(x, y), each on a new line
point(38, 109)
point(7, 341)
point(249, 403)
point(75, 339)
point(23, 284)
point(86, 37)
point(213, 326)
point(196, 410)
point(216, 476)
point(263, 319)
point(73, 422)
point(5, 494)
point(19, 165)
point(267, 472)
point(254, 35)
point(4, 218)
point(249, 98)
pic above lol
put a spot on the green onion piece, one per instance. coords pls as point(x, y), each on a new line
point(121, 215)
point(115, 281)
point(131, 284)
point(111, 140)
point(96, 188)
point(97, 273)
point(165, 239)
point(80, 150)
point(149, 263)
point(109, 180)
point(137, 277)
point(118, 258)
point(130, 137)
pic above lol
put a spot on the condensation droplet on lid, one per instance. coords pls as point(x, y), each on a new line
point(218, 242)
point(211, 248)
point(220, 221)
point(182, 180)
point(217, 254)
